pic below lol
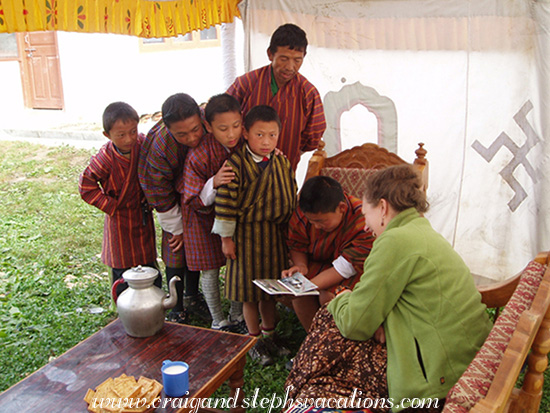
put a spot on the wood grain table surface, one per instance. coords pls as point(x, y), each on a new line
point(61, 385)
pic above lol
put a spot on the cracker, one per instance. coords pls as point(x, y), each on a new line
point(120, 389)
point(89, 396)
point(126, 387)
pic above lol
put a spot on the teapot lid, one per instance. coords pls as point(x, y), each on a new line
point(140, 273)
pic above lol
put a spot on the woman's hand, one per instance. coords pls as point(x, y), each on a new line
point(295, 268)
point(380, 335)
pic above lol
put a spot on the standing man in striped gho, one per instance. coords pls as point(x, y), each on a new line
point(161, 161)
point(280, 86)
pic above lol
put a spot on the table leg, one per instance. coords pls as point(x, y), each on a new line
point(236, 382)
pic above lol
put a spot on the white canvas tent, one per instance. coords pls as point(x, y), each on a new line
point(470, 79)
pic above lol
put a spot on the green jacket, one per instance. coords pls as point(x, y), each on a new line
point(419, 288)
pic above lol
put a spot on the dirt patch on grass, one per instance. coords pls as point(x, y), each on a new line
point(24, 151)
point(73, 156)
point(38, 163)
point(39, 154)
point(24, 178)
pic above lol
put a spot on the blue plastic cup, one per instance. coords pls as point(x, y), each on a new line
point(175, 378)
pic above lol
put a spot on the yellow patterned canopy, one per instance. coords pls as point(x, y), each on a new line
point(143, 18)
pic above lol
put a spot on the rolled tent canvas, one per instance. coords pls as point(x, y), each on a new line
point(469, 79)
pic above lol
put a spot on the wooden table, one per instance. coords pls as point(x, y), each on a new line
point(60, 386)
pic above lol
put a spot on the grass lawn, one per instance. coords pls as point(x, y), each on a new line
point(54, 290)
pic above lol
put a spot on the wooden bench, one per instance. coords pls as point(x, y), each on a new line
point(521, 332)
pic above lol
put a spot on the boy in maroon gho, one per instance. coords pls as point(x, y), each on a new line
point(110, 183)
point(205, 170)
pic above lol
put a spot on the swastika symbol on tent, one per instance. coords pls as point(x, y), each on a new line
point(519, 154)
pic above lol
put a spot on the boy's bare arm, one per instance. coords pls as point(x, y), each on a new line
point(300, 264)
point(327, 279)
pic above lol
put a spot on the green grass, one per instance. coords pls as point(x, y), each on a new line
point(54, 290)
point(50, 275)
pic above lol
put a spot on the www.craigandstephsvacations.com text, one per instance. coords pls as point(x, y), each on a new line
point(268, 404)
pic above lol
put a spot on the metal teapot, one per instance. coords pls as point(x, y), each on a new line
point(142, 305)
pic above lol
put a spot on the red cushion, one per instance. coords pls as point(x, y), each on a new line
point(351, 179)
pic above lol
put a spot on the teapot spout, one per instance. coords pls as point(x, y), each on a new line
point(172, 299)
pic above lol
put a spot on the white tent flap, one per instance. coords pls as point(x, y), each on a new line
point(470, 79)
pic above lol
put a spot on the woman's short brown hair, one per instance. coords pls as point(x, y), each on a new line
point(399, 185)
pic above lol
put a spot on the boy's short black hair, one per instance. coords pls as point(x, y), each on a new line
point(220, 104)
point(288, 35)
point(118, 111)
point(261, 113)
point(178, 107)
point(320, 194)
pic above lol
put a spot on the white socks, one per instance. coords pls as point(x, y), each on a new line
point(210, 283)
point(236, 312)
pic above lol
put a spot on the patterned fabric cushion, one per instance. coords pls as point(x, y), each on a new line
point(454, 408)
point(351, 179)
point(298, 408)
point(474, 383)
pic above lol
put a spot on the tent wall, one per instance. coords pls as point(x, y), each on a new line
point(467, 78)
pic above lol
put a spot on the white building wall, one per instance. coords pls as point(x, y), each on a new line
point(12, 90)
point(98, 69)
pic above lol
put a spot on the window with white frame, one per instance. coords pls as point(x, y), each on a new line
point(200, 38)
point(8, 46)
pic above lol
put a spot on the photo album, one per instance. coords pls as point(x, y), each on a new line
point(297, 284)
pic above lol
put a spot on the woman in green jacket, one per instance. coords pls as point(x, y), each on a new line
point(410, 327)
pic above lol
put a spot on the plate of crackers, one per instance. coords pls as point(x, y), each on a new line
point(124, 394)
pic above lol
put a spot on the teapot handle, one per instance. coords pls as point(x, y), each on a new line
point(113, 288)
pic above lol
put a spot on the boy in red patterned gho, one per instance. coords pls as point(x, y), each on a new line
point(110, 183)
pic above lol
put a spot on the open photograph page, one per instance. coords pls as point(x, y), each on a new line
point(297, 284)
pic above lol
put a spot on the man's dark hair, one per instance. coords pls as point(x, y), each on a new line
point(261, 113)
point(288, 35)
point(320, 194)
point(178, 107)
point(221, 104)
point(118, 111)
